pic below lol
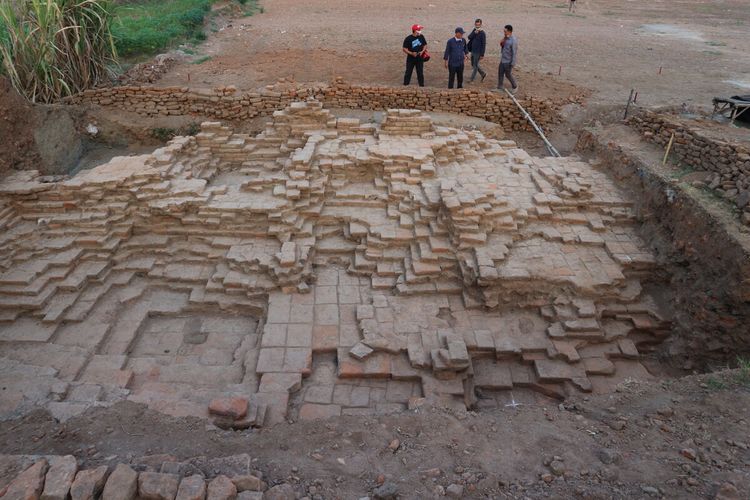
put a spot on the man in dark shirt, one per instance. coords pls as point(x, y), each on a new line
point(477, 45)
point(414, 47)
point(454, 57)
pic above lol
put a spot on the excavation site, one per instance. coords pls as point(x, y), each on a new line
point(254, 265)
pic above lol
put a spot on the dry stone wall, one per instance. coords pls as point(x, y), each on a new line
point(726, 165)
point(227, 103)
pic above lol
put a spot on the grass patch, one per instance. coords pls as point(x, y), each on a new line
point(716, 44)
point(167, 134)
point(743, 377)
point(202, 59)
point(250, 7)
point(53, 48)
point(146, 27)
point(149, 26)
point(715, 384)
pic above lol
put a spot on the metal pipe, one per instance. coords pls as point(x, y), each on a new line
point(538, 129)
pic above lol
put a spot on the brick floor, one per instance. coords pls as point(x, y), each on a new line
point(317, 271)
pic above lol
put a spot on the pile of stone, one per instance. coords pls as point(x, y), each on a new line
point(720, 165)
point(59, 478)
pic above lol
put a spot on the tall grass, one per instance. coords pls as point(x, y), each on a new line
point(55, 48)
point(149, 26)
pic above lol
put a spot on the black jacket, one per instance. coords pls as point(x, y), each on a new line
point(477, 42)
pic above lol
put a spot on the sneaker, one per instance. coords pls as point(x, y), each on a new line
point(514, 90)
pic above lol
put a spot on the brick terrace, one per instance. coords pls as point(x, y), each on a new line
point(324, 267)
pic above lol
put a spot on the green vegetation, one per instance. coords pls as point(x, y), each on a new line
point(739, 377)
point(202, 59)
point(167, 134)
point(149, 26)
point(53, 48)
point(743, 377)
point(250, 7)
point(715, 384)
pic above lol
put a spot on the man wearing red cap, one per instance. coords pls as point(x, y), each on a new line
point(414, 47)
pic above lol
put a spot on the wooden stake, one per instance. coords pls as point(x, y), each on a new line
point(669, 146)
point(627, 106)
point(559, 71)
point(660, 70)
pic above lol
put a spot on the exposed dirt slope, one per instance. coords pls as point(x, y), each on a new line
point(17, 148)
point(680, 439)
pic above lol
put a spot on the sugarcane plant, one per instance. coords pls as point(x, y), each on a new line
point(50, 49)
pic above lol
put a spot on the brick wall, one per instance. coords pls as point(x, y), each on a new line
point(227, 103)
point(726, 164)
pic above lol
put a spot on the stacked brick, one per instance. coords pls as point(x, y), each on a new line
point(726, 163)
point(227, 103)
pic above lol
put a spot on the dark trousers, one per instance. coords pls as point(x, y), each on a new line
point(411, 63)
point(475, 67)
point(504, 70)
point(456, 73)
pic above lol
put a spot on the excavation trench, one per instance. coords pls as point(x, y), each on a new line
point(349, 262)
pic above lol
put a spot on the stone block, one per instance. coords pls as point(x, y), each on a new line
point(122, 484)
point(62, 471)
point(221, 488)
point(192, 488)
point(29, 483)
point(157, 486)
point(88, 484)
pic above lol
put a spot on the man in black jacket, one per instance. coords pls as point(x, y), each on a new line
point(477, 45)
point(414, 47)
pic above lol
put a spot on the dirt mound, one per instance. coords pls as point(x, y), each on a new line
point(18, 149)
point(41, 137)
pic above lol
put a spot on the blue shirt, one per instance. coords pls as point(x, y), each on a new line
point(455, 51)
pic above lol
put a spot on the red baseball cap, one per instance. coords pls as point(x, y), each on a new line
point(416, 27)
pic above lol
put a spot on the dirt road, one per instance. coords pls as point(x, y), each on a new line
point(608, 46)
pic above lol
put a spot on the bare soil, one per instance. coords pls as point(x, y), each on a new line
point(670, 52)
point(16, 125)
point(679, 439)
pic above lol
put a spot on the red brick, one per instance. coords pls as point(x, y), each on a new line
point(325, 338)
point(228, 407)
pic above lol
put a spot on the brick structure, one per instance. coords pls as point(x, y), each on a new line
point(360, 268)
point(724, 163)
point(226, 103)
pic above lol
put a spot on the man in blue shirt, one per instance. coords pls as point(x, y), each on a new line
point(477, 45)
point(508, 53)
point(454, 57)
